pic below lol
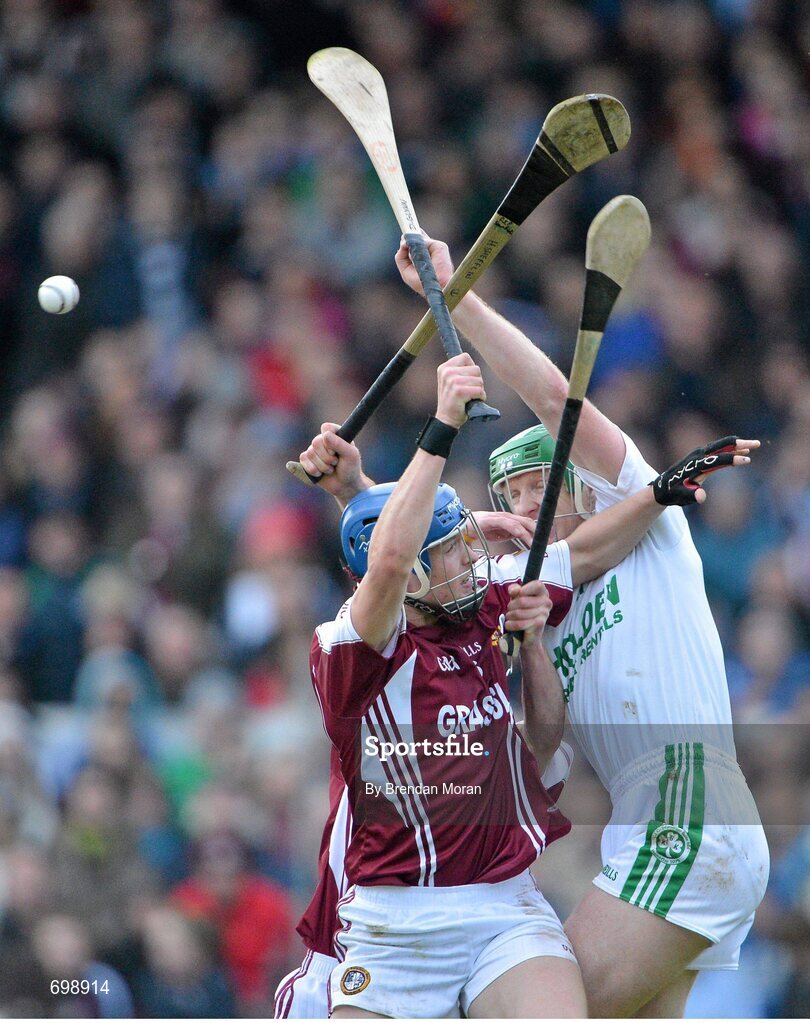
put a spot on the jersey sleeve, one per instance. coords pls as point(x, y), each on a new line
point(635, 474)
point(555, 573)
point(347, 673)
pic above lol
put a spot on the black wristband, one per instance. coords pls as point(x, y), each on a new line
point(436, 437)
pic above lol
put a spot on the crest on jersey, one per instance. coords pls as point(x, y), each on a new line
point(670, 844)
point(354, 980)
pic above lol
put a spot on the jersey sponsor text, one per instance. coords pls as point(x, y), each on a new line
point(455, 719)
point(598, 616)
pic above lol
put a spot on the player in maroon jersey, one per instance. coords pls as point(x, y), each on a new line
point(449, 810)
point(304, 992)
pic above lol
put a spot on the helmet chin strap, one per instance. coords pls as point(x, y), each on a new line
point(436, 610)
point(420, 605)
point(424, 582)
point(579, 497)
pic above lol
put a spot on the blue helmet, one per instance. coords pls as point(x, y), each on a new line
point(449, 514)
point(361, 513)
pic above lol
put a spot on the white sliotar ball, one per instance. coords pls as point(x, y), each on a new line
point(58, 294)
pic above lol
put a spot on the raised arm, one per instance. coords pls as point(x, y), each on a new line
point(604, 540)
point(403, 525)
point(601, 542)
point(599, 445)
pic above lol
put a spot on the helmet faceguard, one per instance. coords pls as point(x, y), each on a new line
point(466, 588)
point(531, 450)
point(450, 520)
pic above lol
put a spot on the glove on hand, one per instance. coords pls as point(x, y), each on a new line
point(677, 484)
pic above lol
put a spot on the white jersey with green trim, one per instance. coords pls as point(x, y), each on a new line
point(639, 648)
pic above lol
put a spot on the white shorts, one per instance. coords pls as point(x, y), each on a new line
point(429, 952)
point(304, 993)
point(696, 854)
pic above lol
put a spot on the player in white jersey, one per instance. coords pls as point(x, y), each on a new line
point(372, 864)
point(685, 857)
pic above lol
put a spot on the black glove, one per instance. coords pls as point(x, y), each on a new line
point(676, 485)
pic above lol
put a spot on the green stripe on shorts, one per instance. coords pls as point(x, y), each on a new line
point(643, 858)
point(674, 834)
point(678, 781)
point(675, 817)
point(694, 830)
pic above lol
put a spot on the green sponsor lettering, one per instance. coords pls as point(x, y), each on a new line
point(612, 590)
point(562, 662)
point(583, 644)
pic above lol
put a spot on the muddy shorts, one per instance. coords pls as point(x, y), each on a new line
point(685, 842)
point(429, 952)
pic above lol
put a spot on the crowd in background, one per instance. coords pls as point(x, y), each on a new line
point(162, 765)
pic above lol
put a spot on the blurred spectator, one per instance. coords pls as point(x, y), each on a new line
point(51, 644)
point(96, 870)
point(179, 979)
point(26, 894)
point(771, 671)
point(790, 893)
point(93, 989)
point(173, 530)
point(26, 812)
point(252, 917)
point(733, 531)
point(177, 643)
point(159, 841)
point(115, 677)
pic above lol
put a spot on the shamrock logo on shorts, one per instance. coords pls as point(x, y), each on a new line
point(670, 844)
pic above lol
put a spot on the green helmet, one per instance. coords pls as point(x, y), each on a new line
point(527, 451)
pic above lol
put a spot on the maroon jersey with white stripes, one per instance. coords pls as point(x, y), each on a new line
point(441, 787)
point(319, 923)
